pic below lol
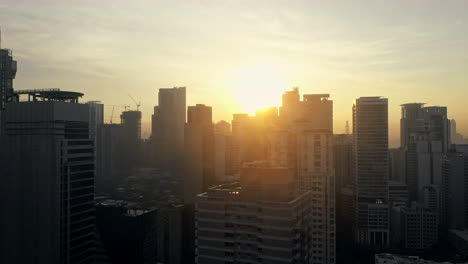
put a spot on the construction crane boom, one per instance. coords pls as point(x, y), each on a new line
point(136, 103)
point(112, 112)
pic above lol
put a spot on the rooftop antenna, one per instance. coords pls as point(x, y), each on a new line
point(347, 128)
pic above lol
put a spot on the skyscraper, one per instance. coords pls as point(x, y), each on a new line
point(7, 74)
point(425, 138)
point(131, 139)
point(167, 132)
point(222, 135)
point(370, 147)
point(303, 141)
point(110, 157)
point(96, 117)
point(199, 152)
point(261, 219)
point(47, 193)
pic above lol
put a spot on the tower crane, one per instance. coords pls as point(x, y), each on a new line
point(136, 103)
point(112, 112)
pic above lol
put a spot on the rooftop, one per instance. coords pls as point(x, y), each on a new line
point(52, 94)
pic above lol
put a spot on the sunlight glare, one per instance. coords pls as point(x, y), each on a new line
point(258, 86)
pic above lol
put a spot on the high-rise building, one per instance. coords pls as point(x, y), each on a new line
point(261, 219)
point(96, 117)
point(199, 152)
point(425, 138)
point(414, 227)
point(110, 157)
point(315, 173)
point(130, 122)
point(343, 155)
point(174, 240)
point(127, 232)
point(237, 142)
point(222, 135)
point(454, 191)
point(455, 137)
point(47, 193)
point(167, 134)
point(304, 142)
point(7, 74)
point(370, 147)
point(397, 165)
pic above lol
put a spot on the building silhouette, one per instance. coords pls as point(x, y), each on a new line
point(199, 152)
point(167, 131)
point(48, 180)
point(261, 219)
point(304, 142)
point(127, 232)
point(221, 145)
point(110, 157)
point(425, 137)
point(130, 122)
point(7, 74)
point(370, 149)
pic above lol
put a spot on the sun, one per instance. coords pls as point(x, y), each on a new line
point(258, 86)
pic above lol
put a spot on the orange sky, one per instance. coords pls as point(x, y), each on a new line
point(236, 55)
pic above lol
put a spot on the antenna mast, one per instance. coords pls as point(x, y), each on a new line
point(347, 128)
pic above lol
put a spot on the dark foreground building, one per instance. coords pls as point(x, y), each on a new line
point(127, 233)
point(47, 190)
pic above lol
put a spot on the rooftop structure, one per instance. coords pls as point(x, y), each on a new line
point(52, 94)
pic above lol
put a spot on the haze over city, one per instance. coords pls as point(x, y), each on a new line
point(239, 56)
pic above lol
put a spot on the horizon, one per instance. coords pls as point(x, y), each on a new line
point(238, 57)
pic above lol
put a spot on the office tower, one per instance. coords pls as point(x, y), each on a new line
point(424, 137)
point(131, 124)
point(455, 137)
point(315, 109)
point(343, 161)
point(222, 135)
point(343, 155)
point(289, 109)
point(414, 227)
point(433, 199)
point(370, 147)
point(454, 191)
point(199, 152)
point(398, 193)
point(239, 122)
point(459, 240)
point(48, 180)
point(96, 117)
point(7, 74)
point(174, 239)
point(305, 144)
point(131, 139)
point(261, 219)
point(127, 232)
point(345, 219)
point(167, 134)
point(110, 157)
point(397, 165)
point(315, 173)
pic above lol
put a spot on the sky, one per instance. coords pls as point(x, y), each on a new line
point(237, 56)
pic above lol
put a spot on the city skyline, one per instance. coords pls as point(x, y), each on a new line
point(232, 52)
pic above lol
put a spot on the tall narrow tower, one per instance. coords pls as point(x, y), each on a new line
point(370, 147)
point(7, 74)
point(167, 132)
